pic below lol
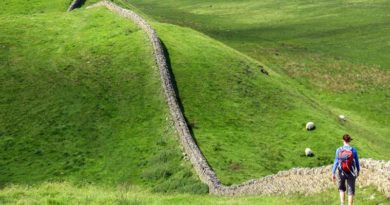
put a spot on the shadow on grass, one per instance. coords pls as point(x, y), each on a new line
point(175, 87)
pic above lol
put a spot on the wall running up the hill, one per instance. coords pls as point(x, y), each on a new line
point(196, 157)
point(297, 180)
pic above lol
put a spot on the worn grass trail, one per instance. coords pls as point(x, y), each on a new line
point(65, 193)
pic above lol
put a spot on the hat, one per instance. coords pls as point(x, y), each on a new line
point(347, 138)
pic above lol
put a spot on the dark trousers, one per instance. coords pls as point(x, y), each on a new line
point(350, 179)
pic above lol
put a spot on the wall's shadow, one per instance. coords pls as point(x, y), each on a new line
point(175, 87)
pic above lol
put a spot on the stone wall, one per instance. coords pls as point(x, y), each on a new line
point(297, 180)
point(311, 180)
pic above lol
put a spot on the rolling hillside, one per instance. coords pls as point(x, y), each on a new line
point(82, 104)
point(249, 124)
point(81, 101)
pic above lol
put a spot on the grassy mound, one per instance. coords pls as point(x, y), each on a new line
point(64, 193)
point(81, 101)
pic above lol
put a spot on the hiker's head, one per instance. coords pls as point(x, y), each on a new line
point(347, 138)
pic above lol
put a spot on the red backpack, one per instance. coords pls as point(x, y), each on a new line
point(346, 159)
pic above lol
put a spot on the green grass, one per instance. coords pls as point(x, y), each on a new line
point(81, 101)
point(65, 193)
point(30, 7)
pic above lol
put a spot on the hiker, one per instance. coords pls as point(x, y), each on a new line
point(347, 164)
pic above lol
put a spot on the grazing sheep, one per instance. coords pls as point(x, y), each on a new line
point(310, 126)
point(309, 152)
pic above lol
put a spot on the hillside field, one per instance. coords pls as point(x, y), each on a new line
point(237, 112)
point(83, 118)
point(71, 107)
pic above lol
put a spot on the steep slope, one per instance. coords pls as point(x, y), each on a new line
point(81, 101)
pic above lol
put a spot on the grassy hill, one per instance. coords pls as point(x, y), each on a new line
point(319, 72)
point(249, 124)
point(81, 101)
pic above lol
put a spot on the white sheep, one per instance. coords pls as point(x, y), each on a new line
point(310, 126)
point(309, 152)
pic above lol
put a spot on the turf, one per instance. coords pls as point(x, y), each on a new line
point(81, 101)
point(65, 193)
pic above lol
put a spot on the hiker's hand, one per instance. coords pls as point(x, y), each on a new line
point(334, 178)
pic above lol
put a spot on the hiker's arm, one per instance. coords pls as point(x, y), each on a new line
point(357, 160)
point(335, 163)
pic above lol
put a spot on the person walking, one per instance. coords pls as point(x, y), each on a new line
point(347, 164)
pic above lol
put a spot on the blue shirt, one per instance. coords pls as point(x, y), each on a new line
point(355, 157)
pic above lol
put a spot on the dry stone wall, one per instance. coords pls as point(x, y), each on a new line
point(311, 180)
point(297, 180)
